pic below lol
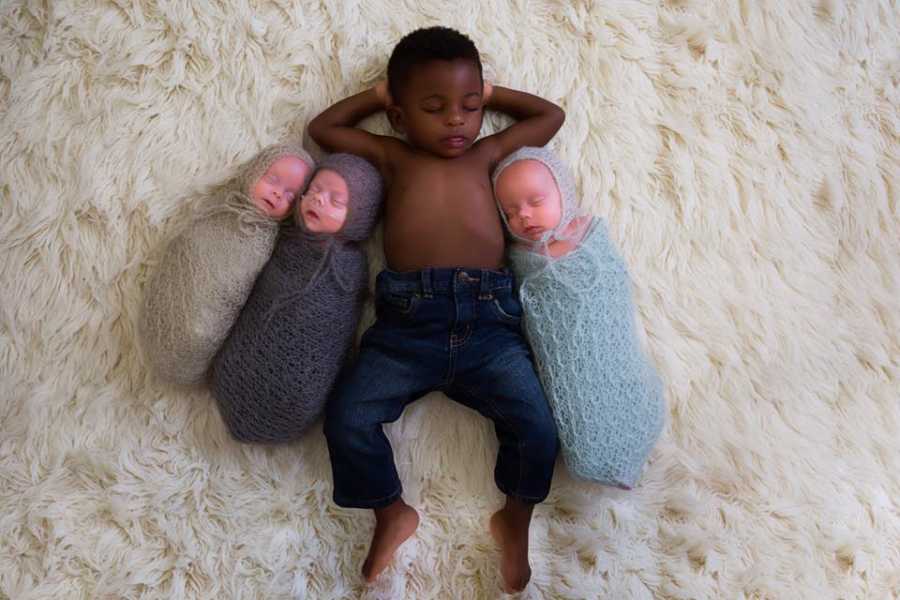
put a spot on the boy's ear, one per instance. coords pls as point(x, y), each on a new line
point(395, 116)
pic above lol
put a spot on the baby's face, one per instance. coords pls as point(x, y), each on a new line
point(275, 191)
point(323, 207)
point(440, 107)
point(530, 199)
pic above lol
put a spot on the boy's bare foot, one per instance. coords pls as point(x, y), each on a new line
point(393, 526)
point(509, 526)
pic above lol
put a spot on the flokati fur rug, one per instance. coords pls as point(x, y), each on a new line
point(746, 155)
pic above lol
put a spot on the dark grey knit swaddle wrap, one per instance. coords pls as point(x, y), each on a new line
point(274, 372)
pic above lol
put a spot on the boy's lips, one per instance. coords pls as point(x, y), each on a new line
point(311, 214)
point(454, 141)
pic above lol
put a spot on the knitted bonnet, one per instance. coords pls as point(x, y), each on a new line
point(564, 181)
point(365, 190)
point(254, 169)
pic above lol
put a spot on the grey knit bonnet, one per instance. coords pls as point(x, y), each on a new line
point(365, 190)
point(564, 181)
point(256, 167)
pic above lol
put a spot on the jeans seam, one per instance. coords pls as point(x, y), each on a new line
point(488, 401)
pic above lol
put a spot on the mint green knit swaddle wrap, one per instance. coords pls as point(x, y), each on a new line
point(606, 397)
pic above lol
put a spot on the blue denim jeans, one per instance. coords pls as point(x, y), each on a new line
point(453, 330)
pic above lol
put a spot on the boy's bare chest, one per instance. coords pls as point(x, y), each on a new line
point(437, 183)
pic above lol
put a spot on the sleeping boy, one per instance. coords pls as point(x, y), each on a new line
point(447, 315)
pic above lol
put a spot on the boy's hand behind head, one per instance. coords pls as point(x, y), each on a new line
point(383, 93)
point(486, 94)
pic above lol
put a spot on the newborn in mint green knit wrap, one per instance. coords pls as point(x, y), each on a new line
point(579, 319)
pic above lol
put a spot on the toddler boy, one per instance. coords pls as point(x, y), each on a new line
point(447, 315)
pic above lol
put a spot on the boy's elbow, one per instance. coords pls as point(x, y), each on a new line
point(315, 129)
point(559, 117)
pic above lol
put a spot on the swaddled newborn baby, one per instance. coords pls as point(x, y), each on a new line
point(579, 319)
point(274, 372)
point(206, 272)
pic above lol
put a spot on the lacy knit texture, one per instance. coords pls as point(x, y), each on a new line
point(276, 368)
point(274, 372)
point(579, 319)
point(205, 275)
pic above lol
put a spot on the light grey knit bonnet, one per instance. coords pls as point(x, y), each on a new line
point(254, 169)
point(564, 181)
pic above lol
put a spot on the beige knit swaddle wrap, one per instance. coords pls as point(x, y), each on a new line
point(205, 275)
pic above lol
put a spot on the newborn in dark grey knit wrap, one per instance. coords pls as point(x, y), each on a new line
point(276, 368)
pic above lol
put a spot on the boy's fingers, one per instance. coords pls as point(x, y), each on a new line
point(381, 90)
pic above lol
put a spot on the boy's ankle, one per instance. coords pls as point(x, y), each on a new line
point(396, 507)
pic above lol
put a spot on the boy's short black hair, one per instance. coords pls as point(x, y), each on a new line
point(424, 45)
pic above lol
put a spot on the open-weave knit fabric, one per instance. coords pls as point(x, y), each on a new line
point(274, 372)
point(579, 319)
point(205, 275)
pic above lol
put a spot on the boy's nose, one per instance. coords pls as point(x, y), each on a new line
point(455, 118)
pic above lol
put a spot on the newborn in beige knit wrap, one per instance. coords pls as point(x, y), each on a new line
point(205, 275)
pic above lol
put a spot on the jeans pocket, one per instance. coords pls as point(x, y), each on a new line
point(507, 306)
point(397, 303)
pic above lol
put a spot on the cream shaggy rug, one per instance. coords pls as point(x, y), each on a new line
point(746, 155)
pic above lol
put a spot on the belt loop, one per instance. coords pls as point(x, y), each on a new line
point(427, 289)
point(484, 291)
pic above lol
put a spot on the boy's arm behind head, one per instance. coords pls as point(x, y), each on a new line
point(334, 130)
point(538, 121)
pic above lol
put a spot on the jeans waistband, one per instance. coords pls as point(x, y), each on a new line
point(445, 281)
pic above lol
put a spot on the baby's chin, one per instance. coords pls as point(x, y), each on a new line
point(531, 237)
point(315, 225)
point(270, 210)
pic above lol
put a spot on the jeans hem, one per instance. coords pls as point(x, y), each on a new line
point(373, 503)
point(522, 497)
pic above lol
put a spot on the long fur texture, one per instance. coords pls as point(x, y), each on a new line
point(746, 156)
